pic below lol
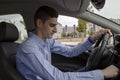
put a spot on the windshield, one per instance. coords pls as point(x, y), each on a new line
point(111, 10)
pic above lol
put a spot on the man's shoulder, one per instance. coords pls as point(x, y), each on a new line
point(28, 42)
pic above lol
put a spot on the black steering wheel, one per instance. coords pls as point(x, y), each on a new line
point(95, 58)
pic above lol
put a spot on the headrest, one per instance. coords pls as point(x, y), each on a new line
point(8, 32)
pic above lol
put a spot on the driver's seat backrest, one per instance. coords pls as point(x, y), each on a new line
point(8, 49)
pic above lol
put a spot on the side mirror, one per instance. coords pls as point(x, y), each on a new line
point(98, 4)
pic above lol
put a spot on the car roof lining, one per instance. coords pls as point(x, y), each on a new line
point(70, 5)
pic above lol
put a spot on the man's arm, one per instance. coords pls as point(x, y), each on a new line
point(59, 48)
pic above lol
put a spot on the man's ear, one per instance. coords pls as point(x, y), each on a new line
point(39, 22)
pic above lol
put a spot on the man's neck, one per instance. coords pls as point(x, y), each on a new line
point(40, 35)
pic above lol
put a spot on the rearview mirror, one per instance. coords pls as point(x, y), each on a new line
point(98, 4)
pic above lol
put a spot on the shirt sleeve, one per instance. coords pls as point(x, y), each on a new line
point(59, 48)
point(33, 59)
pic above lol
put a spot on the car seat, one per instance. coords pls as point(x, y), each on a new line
point(8, 49)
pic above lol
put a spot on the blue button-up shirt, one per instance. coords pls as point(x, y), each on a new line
point(34, 60)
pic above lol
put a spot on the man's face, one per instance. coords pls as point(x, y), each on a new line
point(49, 27)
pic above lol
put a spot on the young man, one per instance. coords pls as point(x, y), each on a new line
point(34, 55)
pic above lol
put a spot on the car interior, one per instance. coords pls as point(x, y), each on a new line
point(102, 54)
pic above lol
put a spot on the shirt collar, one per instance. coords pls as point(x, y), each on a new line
point(37, 39)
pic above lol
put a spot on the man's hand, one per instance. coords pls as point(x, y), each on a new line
point(110, 72)
point(99, 34)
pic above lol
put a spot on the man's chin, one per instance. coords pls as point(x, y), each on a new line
point(50, 37)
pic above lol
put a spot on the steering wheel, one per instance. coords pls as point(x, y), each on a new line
point(95, 57)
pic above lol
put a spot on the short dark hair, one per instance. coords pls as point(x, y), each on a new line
point(44, 13)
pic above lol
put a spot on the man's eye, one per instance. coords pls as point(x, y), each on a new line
point(52, 25)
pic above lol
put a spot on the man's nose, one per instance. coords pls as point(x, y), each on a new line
point(55, 30)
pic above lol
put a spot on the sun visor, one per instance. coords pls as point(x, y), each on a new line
point(72, 5)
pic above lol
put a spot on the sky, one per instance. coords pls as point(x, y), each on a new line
point(110, 10)
point(69, 21)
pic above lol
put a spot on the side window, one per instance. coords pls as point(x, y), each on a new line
point(71, 31)
point(18, 21)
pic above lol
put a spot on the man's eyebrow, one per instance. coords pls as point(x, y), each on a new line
point(53, 24)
